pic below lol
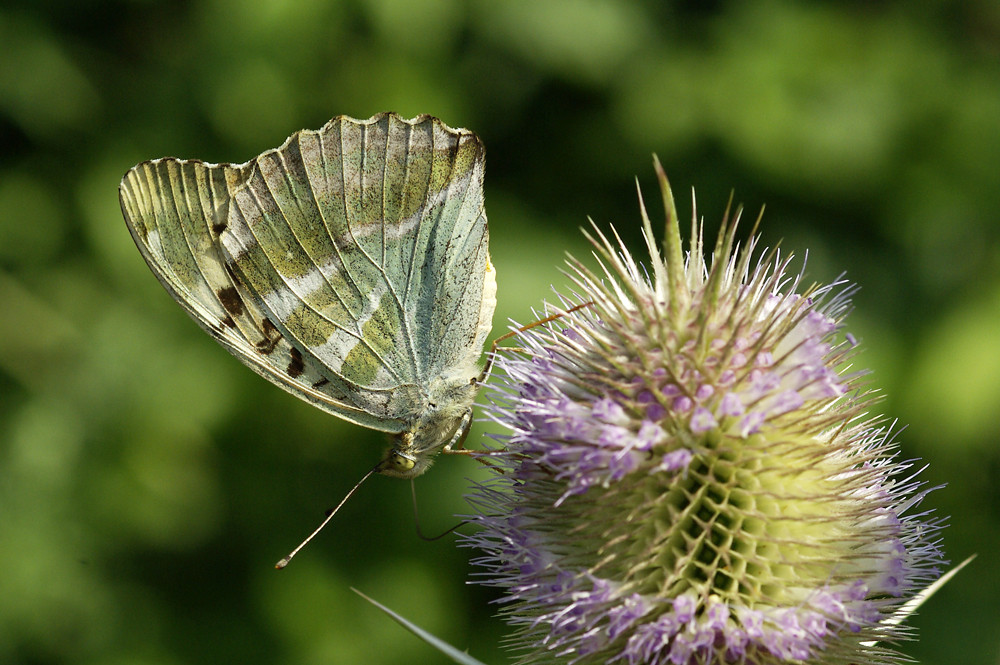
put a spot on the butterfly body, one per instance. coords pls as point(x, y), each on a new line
point(350, 266)
point(442, 425)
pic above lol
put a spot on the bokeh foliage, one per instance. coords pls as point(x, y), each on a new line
point(148, 481)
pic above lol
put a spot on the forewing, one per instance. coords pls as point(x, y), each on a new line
point(177, 211)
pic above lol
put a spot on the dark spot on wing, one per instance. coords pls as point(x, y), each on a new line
point(266, 346)
point(229, 322)
point(230, 299)
point(271, 337)
point(295, 365)
point(221, 215)
point(322, 382)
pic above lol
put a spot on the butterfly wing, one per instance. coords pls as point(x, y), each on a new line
point(450, 284)
point(310, 263)
point(176, 211)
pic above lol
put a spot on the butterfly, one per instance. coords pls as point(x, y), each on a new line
point(350, 267)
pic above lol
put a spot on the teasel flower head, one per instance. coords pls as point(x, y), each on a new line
point(691, 474)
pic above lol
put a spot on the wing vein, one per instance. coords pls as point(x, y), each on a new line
point(404, 310)
point(347, 214)
point(361, 176)
point(184, 231)
point(357, 334)
point(298, 204)
point(323, 219)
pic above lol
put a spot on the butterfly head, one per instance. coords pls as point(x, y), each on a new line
point(439, 428)
point(402, 464)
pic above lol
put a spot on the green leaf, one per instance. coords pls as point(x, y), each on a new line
point(458, 656)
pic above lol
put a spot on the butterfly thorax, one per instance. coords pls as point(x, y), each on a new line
point(443, 425)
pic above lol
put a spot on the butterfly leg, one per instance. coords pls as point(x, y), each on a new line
point(457, 443)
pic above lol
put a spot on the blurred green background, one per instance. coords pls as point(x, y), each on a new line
point(148, 481)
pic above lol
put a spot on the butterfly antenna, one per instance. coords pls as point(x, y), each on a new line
point(329, 516)
point(490, 357)
point(416, 518)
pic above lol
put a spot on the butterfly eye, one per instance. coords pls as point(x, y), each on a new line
point(397, 465)
point(400, 463)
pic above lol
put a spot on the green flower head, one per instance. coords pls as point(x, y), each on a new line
point(691, 475)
